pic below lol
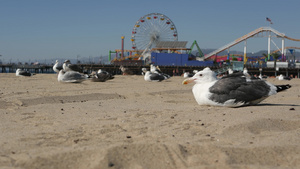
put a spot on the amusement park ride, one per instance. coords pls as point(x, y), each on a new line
point(146, 33)
point(269, 32)
point(154, 29)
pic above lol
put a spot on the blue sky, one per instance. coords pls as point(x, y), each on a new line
point(47, 29)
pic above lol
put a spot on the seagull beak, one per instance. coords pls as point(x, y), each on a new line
point(187, 81)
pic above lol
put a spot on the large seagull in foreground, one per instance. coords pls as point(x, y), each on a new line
point(233, 90)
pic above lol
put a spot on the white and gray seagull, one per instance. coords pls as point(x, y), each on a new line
point(157, 70)
point(282, 77)
point(20, 72)
point(101, 76)
point(154, 77)
point(71, 77)
point(233, 90)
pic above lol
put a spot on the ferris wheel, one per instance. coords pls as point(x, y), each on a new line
point(150, 29)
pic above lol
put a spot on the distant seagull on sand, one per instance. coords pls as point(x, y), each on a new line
point(230, 71)
point(157, 70)
point(281, 77)
point(57, 67)
point(187, 74)
point(70, 77)
point(109, 75)
point(262, 77)
point(154, 77)
point(126, 71)
point(244, 73)
point(101, 76)
point(20, 72)
point(67, 66)
point(232, 90)
point(154, 69)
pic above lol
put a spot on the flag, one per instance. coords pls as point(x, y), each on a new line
point(269, 20)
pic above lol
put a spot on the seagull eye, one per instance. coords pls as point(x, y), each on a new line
point(200, 74)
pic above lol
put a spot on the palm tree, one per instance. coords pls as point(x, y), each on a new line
point(275, 57)
point(266, 56)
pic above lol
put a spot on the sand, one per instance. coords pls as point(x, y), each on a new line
point(130, 123)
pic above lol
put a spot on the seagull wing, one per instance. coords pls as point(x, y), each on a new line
point(24, 73)
point(72, 76)
point(240, 90)
point(157, 77)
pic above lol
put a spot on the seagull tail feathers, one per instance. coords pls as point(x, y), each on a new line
point(282, 87)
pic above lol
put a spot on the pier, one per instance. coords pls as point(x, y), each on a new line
point(11, 68)
point(171, 70)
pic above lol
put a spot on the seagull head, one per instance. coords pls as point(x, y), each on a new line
point(230, 71)
point(245, 71)
point(67, 61)
point(206, 75)
point(18, 71)
point(152, 68)
point(185, 74)
point(144, 70)
point(195, 71)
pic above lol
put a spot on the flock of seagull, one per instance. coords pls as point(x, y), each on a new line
point(235, 89)
point(74, 74)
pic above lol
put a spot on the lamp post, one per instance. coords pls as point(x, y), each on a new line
point(122, 53)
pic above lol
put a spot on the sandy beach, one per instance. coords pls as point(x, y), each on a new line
point(133, 124)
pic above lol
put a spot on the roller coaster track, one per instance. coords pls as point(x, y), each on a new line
point(288, 47)
point(247, 36)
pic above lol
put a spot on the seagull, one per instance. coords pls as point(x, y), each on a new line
point(262, 77)
point(154, 69)
point(67, 66)
point(233, 90)
point(20, 72)
point(195, 71)
point(187, 74)
point(70, 77)
point(101, 76)
point(154, 77)
point(244, 73)
point(281, 77)
point(230, 71)
point(157, 70)
point(57, 67)
point(109, 75)
point(126, 71)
